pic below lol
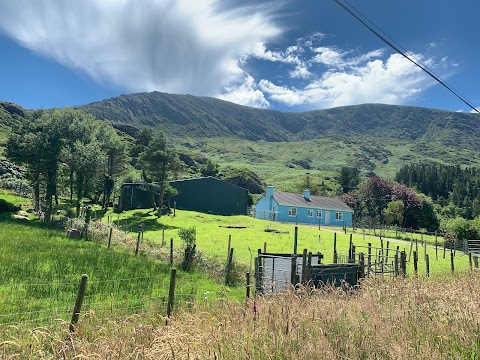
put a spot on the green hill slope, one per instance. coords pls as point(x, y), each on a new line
point(188, 115)
point(281, 147)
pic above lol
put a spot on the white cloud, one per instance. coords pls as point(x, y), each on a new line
point(180, 46)
point(393, 81)
point(245, 93)
point(260, 51)
point(328, 56)
point(300, 72)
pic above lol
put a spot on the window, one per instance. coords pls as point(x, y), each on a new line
point(338, 216)
point(292, 211)
point(319, 213)
point(310, 213)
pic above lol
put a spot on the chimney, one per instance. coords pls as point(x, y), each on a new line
point(306, 194)
point(269, 192)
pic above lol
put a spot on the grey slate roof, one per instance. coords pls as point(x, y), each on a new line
point(317, 202)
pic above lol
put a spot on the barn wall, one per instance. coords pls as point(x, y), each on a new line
point(210, 195)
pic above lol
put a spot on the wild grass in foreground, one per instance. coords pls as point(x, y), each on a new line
point(391, 319)
point(40, 271)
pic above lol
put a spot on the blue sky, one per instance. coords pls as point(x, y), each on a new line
point(284, 55)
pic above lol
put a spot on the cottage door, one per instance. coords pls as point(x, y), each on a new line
point(327, 218)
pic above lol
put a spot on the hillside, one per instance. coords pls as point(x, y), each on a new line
point(209, 117)
point(283, 147)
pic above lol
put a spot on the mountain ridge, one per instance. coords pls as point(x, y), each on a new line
point(178, 115)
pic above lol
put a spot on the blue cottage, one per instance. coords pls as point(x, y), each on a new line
point(304, 209)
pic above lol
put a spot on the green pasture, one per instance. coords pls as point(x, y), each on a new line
point(40, 270)
point(248, 235)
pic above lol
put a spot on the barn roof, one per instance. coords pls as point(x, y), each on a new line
point(317, 202)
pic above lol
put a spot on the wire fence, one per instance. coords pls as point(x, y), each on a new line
point(47, 304)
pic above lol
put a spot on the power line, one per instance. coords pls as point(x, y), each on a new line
point(410, 58)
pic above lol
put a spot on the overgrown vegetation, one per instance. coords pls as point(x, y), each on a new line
point(408, 319)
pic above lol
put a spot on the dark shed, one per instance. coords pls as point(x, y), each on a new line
point(210, 195)
point(206, 194)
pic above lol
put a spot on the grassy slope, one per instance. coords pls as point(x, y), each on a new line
point(373, 137)
point(212, 238)
point(272, 161)
point(40, 270)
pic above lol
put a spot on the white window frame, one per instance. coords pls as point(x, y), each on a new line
point(319, 214)
point(339, 216)
point(310, 213)
point(292, 211)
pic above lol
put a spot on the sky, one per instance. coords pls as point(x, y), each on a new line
point(287, 55)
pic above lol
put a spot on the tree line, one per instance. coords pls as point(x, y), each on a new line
point(452, 187)
point(377, 201)
point(68, 152)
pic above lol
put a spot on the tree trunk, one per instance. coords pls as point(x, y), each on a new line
point(71, 186)
point(36, 193)
point(162, 190)
point(80, 182)
point(49, 195)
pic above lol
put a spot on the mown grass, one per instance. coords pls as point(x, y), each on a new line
point(390, 319)
point(213, 234)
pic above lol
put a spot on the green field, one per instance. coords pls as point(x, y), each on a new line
point(40, 271)
point(40, 268)
point(213, 234)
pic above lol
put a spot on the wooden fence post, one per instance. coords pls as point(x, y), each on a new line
point(78, 302)
point(309, 267)
point(386, 252)
point(415, 262)
point(410, 252)
point(138, 244)
point(293, 270)
point(304, 266)
point(444, 246)
point(403, 263)
point(424, 248)
point(361, 265)
point(261, 271)
point(369, 258)
point(171, 291)
point(335, 257)
point(247, 284)
point(470, 260)
point(171, 251)
point(265, 247)
point(452, 264)
point(229, 245)
point(228, 275)
point(427, 264)
point(396, 263)
point(110, 237)
point(295, 240)
point(163, 237)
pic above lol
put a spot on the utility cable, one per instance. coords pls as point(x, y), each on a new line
point(396, 48)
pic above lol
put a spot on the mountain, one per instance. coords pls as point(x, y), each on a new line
point(186, 115)
point(283, 147)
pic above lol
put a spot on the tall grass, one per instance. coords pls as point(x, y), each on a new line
point(40, 271)
point(391, 319)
